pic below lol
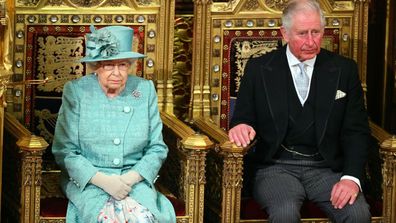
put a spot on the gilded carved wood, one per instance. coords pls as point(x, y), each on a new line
point(190, 149)
point(389, 177)
point(30, 149)
point(182, 65)
point(44, 28)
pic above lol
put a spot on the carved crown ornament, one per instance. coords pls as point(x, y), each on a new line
point(82, 3)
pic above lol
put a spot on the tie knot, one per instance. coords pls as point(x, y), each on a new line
point(301, 66)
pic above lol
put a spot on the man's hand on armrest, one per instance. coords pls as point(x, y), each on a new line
point(241, 134)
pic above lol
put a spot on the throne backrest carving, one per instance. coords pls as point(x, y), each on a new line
point(48, 41)
point(240, 29)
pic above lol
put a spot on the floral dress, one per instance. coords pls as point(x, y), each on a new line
point(125, 211)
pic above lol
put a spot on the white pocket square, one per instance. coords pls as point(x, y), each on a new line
point(340, 94)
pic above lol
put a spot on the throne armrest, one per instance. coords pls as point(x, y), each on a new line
point(22, 167)
point(231, 172)
point(388, 153)
point(183, 172)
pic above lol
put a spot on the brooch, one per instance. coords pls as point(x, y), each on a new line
point(136, 93)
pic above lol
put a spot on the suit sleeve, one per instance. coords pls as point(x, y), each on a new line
point(244, 111)
point(66, 147)
point(156, 151)
point(355, 131)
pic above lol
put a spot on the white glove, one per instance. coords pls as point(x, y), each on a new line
point(131, 178)
point(113, 185)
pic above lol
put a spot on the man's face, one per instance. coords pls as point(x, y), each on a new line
point(305, 35)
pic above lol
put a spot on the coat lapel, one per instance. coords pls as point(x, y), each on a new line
point(327, 76)
point(274, 74)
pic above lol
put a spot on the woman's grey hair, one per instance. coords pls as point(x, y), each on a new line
point(296, 6)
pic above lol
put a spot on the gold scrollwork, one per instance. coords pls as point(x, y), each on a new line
point(233, 171)
point(251, 5)
point(46, 118)
point(247, 49)
point(28, 171)
point(277, 5)
point(145, 2)
point(227, 7)
point(27, 2)
point(181, 74)
point(86, 3)
point(57, 58)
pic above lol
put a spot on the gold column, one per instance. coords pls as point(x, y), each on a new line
point(387, 54)
point(32, 148)
point(165, 56)
point(232, 181)
point(360, 35)
point(197, 146)
point(200, 97)
point(5, 28)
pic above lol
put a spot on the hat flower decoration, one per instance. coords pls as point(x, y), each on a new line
point(109, 43)
point(102, 43)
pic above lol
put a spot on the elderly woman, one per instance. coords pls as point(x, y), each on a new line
point(108, 139)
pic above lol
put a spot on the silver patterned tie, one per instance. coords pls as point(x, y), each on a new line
point(302, 81)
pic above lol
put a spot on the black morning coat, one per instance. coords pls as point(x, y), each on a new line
point(341, 122)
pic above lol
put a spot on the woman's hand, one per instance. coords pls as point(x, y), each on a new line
point(113, 185)
point(131, 178)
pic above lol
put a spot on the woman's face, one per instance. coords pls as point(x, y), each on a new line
point(113, 75)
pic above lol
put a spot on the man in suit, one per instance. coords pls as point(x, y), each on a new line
point(311, 124)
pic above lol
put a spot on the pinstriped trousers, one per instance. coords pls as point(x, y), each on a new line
point(281, 189)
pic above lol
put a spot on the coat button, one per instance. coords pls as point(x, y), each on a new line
point(116, 161)
point(127, 109)
point(117, 141)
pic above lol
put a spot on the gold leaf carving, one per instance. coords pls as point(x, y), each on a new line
point(55, 2)
point(227, 6)
point(28, 171)
point(247, 49)
point(86, 3)
point(251, 5)
point(57, 58)
point(145, 2)
point(27, 2)
point(182, 65)
point(46, 119)
point(278, 5)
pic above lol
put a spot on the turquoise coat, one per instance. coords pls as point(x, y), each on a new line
point(95, 133)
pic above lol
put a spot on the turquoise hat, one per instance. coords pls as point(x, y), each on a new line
point(109, 43)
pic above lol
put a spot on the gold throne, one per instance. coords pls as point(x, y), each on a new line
point(226, 34)
point(47, 41)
